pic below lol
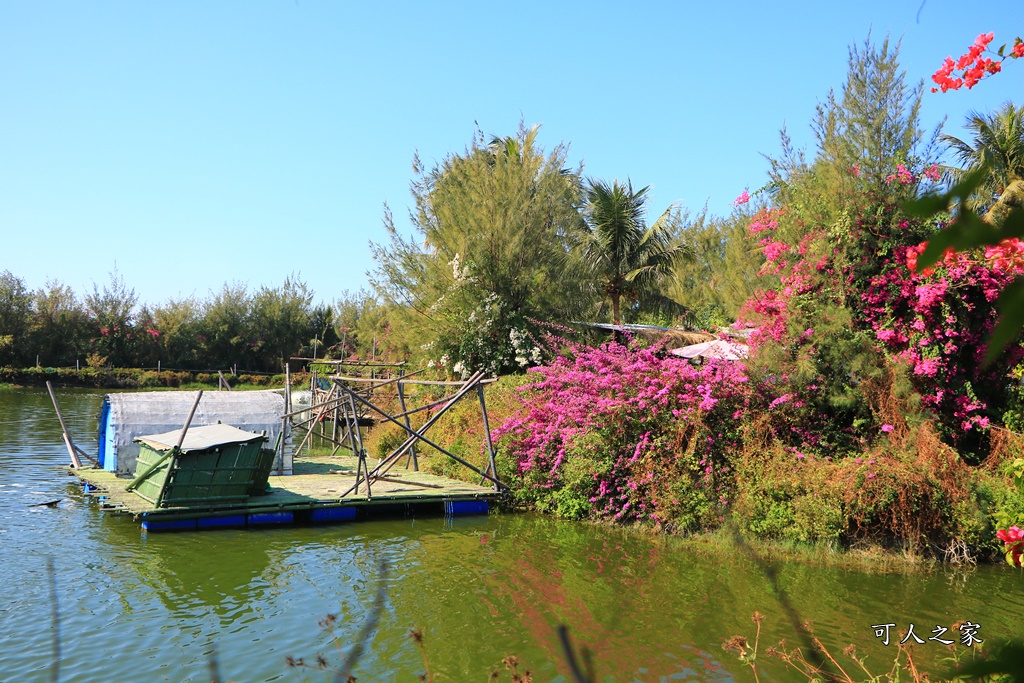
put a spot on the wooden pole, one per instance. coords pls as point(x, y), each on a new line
point(287, 388)
point(408, 425)
point(280, 463)
point(378, 383)
point(223, 381)
point(335, 427)
point(487, 431)
point(191, 414)
point(75, 462)
point(361, 466)
point(413, 435)
point(352, 425)
point(317, 419)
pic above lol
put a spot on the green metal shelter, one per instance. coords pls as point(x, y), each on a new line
point(215, 464)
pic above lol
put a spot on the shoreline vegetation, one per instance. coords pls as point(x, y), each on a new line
point(142, 378)
point(461, 430)
point(858, 533)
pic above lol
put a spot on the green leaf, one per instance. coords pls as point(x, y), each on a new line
point(1009, 559)
point(1011, 319)
point(1002, 50)
point(1007, 659)
point(967, 230)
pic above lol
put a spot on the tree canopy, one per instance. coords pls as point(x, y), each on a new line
point(492, 226)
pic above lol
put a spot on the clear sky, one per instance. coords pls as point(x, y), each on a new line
point(189, 144)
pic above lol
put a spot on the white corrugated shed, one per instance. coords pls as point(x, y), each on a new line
point(130, 415)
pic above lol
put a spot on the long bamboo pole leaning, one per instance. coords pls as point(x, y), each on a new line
point(319, 416)
point(75, 462)
point(493, 467)
point(386, 466)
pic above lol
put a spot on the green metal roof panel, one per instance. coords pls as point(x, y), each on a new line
point(199, 438)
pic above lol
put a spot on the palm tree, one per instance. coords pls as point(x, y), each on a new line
point(627, 258)
point(998, 147)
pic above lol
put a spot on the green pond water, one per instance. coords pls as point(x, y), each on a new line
point(159, 607)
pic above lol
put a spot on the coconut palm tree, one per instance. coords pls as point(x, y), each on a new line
point(625, 257)
point(997, 146)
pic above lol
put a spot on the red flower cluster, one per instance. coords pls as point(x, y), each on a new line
point(1013, 541)
point(1007, 256)
point(973, 65)
point(949, 258)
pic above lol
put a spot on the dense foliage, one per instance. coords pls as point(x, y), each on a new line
point(259, 331)
point(493, 227)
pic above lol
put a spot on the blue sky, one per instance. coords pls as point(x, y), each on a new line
point(191, 144)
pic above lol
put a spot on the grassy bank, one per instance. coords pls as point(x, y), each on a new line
point(138, 378)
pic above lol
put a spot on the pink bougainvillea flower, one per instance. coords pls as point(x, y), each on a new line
point(887, 428)
point(1013, 540)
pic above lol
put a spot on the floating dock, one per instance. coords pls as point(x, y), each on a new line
point(318, 491)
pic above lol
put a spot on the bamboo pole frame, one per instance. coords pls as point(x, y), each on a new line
point(418, 435)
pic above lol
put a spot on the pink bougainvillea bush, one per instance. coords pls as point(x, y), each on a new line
point(937, 324)
point(850, 303)
point(629, 434)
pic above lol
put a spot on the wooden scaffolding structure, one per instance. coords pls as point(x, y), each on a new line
point(351, 401)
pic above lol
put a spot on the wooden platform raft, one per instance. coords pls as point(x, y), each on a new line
point(312, 494)
point(321, 488)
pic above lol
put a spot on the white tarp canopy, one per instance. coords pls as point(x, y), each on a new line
point(716, 348)
point(127, 416)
